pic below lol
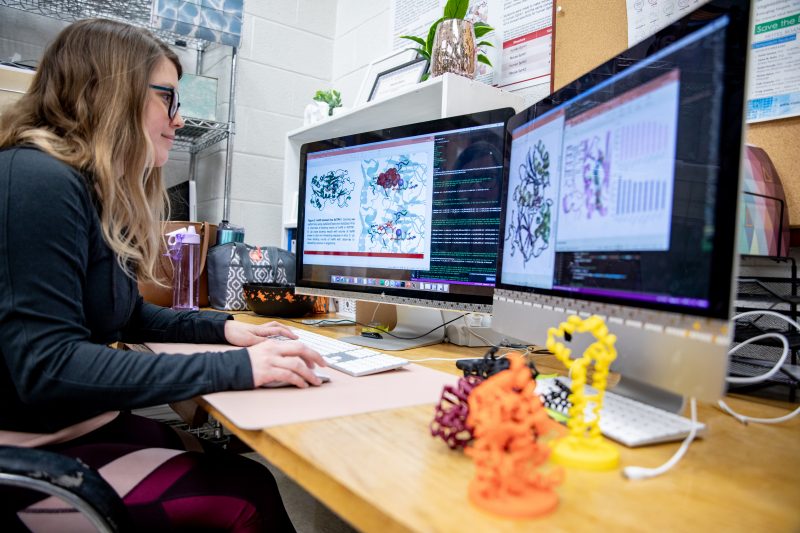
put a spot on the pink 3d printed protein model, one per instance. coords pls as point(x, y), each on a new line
point(450, 421)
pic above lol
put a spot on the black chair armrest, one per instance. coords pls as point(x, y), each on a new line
point(66, 478)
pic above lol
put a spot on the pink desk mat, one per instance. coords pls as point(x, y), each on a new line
point(342, 396)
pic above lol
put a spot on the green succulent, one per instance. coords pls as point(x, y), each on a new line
point(333, 98)
point(454, 9)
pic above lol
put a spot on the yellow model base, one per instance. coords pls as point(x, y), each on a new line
point(585, 453)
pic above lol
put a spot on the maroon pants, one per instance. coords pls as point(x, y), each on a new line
point(169, 481)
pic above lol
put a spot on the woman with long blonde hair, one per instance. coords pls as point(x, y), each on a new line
point(81, 199)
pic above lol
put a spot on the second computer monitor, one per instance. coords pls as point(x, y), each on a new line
point(621, 198)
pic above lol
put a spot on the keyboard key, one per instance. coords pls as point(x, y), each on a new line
point(349, 358)
point(630, 422)
point(362, 352)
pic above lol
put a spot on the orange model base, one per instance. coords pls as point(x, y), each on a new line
point(531, 504)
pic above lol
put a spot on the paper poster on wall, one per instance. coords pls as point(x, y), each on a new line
point(527, 47)
point(646, 17)
point(774, 62)
point(523, 38)
point(488, 11)
point(413, 17)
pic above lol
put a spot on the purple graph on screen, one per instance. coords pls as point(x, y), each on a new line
point(639, 143)
point(587, 176)
point(619, 169)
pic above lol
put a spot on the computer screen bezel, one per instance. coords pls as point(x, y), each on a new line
point(732, 105)
point(455, 301)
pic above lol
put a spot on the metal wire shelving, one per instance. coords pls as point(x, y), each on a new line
point(197, 134)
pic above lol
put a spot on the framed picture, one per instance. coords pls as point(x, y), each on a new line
point(392, 81)
point(379, 65)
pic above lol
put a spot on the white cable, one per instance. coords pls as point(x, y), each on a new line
point(444, 359)
point(322, 322)
point(767, 312)
point(640, 472)
point(744, 419)
point(456, 359)
point(775, 369)
point(479, 337)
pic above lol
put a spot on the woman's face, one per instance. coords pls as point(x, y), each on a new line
point(157, 123)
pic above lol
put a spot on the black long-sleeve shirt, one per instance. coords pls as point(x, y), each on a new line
point(63, 298)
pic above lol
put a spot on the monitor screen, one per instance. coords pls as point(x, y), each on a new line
point(622, 189)
point(405, 215)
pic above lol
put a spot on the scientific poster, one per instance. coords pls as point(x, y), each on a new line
point(646, 17)
point(413, 17)
point(774, 61)
point(527, 48)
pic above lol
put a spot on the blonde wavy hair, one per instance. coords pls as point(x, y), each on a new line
point(85, 107)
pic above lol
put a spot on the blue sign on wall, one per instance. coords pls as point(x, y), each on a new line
point(218, 21)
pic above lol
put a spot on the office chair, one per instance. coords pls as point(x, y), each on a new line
point(66, 478)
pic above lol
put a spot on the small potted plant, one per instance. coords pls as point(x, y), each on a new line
point(333, 98)
point(324, 102)
point(459, 35)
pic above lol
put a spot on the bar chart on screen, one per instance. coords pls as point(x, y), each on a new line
point(619, 167)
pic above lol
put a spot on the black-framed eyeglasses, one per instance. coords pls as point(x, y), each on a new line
point(174, 99)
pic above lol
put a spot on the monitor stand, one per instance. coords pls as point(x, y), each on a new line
point(645, 393)
point(633, 388)
point(413, 330)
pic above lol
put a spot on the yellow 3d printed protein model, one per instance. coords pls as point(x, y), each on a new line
point(585, 447)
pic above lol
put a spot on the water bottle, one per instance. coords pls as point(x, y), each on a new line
point(227, 232)
point(184, 250)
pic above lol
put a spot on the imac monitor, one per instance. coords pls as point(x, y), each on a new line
point(406, 215)
point(620, 200)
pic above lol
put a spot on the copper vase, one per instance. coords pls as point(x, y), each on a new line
point(454, 48)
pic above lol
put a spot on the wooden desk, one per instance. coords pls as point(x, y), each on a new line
point(383, 472)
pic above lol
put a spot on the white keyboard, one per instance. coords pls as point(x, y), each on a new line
point(630, 422)
point(348, 358)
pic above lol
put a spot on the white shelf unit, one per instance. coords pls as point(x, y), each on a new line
point(444, 96)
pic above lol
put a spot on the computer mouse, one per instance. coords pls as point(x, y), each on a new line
point(278, 384)
point(371, 334)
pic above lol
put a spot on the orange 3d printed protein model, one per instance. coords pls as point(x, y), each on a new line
point(507, 419)
point(585, 447)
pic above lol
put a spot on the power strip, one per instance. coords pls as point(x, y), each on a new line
point(463, 335)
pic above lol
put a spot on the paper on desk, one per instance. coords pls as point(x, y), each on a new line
point(343, 396)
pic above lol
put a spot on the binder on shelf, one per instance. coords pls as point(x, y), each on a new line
point(291, 239)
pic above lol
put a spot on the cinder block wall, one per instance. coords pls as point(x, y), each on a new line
point(285, 56)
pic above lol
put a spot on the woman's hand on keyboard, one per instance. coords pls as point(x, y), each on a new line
point(244, 334)
point(284, 360)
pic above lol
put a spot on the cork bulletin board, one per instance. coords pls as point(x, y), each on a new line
point(588, 33)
